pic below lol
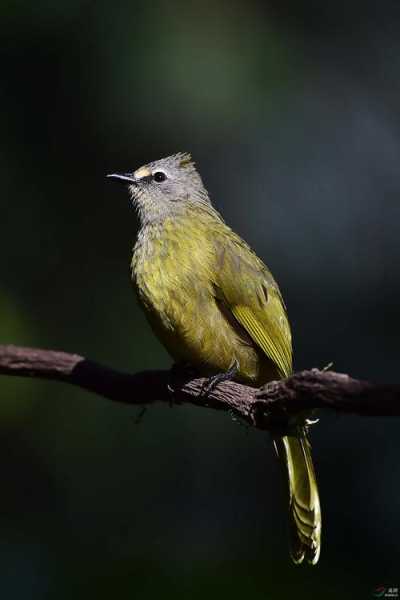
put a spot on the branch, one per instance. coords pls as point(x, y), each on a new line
point(305, 390)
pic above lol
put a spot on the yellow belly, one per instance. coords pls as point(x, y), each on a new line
point(202, 337)
point(190, 324)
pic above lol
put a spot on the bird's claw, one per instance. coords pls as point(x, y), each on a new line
point(213, 381)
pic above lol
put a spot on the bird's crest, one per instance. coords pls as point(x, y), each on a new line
point(185, 159)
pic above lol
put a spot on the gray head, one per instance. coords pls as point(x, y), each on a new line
point(165, 187)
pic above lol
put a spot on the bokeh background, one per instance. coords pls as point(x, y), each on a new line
point(291, 111)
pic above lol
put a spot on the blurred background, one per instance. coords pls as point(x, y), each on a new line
point(291, 111)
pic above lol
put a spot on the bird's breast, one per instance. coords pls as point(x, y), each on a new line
point(171, 270)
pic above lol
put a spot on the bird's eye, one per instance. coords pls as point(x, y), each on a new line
point(159, 176)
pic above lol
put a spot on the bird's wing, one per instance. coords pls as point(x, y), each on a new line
point(248, 290)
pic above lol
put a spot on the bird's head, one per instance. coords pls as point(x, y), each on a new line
point(165, 187)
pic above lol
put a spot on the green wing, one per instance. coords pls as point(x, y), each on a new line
point(250, 293)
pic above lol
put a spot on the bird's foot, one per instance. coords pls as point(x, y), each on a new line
point(213, 381)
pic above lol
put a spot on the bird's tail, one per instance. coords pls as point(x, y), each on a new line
point(294, 453)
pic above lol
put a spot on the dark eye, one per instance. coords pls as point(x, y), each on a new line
point(159, 176)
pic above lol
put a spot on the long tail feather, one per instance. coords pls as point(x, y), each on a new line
point(304, 507)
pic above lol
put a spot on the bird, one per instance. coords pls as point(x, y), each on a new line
point(215, 305)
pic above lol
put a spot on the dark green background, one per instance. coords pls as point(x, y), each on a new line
point(291, 111)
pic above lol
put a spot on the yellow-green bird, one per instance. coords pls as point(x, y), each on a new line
point(214, 304)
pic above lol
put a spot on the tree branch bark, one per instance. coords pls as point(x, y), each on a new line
point(305, 390)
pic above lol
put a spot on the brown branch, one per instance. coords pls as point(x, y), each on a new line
point(304, 390)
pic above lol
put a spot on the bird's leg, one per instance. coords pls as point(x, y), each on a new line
point(213, 381)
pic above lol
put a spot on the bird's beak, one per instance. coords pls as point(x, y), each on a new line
point(129, 177)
